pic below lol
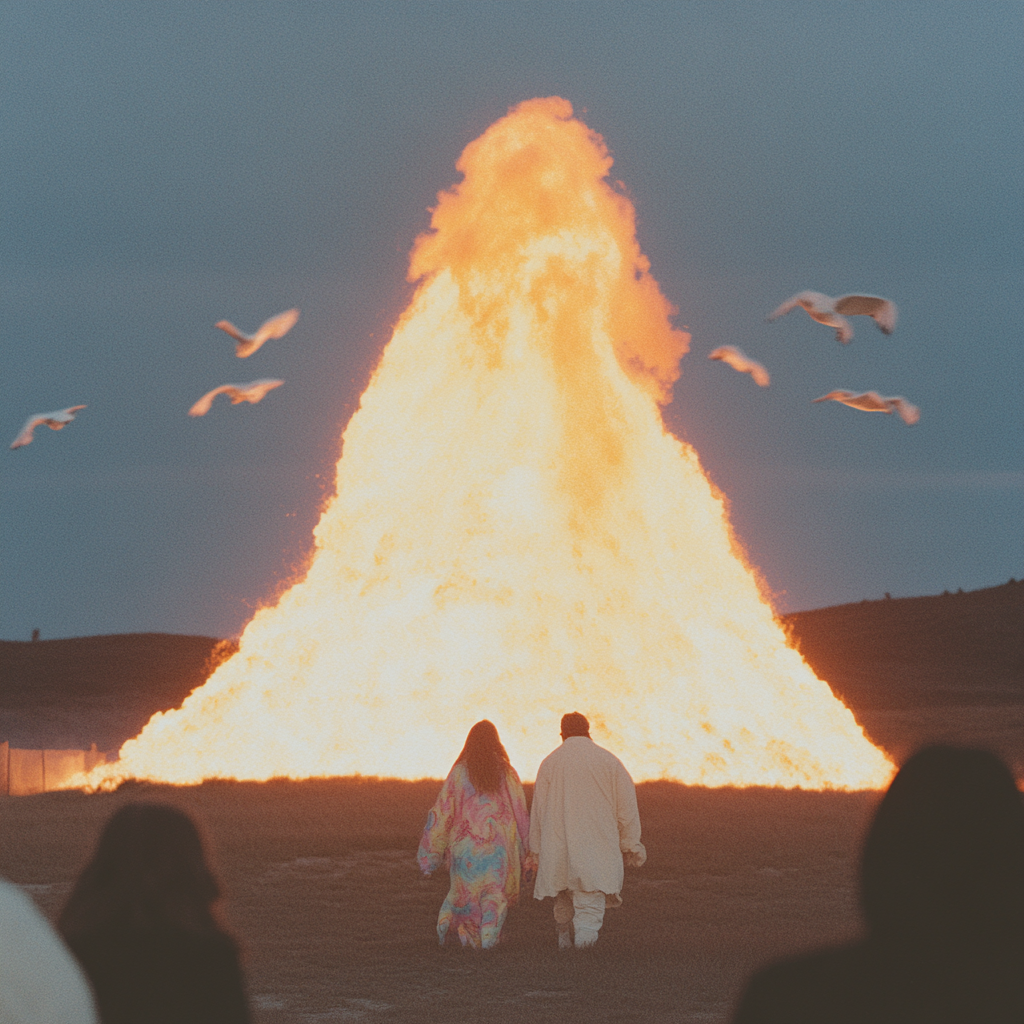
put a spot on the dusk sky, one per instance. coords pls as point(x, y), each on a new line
point(166, 165)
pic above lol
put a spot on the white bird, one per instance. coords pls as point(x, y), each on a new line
point(54, 420)
point(251, 392)
point(741, 362)
point(872, 401)
point(276, 327)
point(827, 310)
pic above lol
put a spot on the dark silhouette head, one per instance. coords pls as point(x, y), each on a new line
point(485, 758)
point(943, 863)
point(574, 724)
point(149, 871)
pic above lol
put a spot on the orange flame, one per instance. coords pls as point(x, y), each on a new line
point(515, 534)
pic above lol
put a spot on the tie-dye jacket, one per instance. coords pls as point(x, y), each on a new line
point(482, 837)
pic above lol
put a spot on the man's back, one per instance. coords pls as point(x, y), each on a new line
point(584, 815)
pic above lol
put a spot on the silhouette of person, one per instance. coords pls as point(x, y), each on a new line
point(140, 920)
point(942, 892)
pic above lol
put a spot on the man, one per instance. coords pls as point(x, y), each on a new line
point(584, 820)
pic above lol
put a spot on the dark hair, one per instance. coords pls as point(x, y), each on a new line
point(148, 872)
point(574, 724)
point(943, 863)
point(485, 758)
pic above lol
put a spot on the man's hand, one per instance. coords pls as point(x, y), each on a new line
point(635, 858)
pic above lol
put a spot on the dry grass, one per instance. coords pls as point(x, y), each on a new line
point(323, 892)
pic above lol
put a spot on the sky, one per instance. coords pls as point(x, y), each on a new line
point(165, 165)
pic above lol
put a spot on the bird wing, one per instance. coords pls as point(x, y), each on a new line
point(867, 401)
point(789, 304)
point(741, 362)
point(834, 396)
point(228, 327)
point(56, 420)
point(255, 391)
point(202, 407)
point(276, 327)
point(883, 311)
point(760, 374)
point(25, 437)
point(245, 346)
point(908, 412)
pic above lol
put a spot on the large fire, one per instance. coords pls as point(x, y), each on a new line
point(515, 534)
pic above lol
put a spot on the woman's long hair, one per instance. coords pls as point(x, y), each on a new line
point(485, 758)
point(148, 872)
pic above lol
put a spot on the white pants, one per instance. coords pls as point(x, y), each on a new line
point(578, 917)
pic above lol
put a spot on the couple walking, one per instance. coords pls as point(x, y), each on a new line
point(584, 824)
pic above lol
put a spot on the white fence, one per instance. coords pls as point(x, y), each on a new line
point(24, 772)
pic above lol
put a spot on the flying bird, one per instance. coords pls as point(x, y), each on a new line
point(251, 392)
point(741, 362)
point(872, 401)
point(829, 311)
point(276, 327)
point(54, 420)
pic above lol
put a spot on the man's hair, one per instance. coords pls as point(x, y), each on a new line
point(574, 724)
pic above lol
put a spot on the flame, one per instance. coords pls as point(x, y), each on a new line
point(515, 534)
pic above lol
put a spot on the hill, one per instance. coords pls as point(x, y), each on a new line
point(922, 669)
point(97, 689)
point(949, 667)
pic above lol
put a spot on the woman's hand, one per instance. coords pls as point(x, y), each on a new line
point(529, 867)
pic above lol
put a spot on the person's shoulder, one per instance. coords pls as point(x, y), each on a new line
point(805, 989)
point(554, 756)
point(606, 755)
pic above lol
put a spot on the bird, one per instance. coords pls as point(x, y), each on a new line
point(54, 420)
point(276, 327)
point(740, 361)
point(872, 401)
point(251, 392)
point(827, 310)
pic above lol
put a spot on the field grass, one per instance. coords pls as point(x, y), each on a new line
point(323, 892)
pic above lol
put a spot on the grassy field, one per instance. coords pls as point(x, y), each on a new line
point(323, 892)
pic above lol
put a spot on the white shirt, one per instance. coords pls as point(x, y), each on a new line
point(584, 817)
point(40, 980)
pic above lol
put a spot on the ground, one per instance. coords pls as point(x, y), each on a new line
point(321, 886)
point(323, 892)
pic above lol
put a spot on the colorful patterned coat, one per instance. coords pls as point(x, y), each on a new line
point(482, 837)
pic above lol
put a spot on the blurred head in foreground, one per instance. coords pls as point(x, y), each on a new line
point(485, 757)
point(574, 724)
point(942, 887)
point(944, 858)
point(149, 871)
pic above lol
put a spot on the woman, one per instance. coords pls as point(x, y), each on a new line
point(942, 889)
point(141, 922)
point(479, 826)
